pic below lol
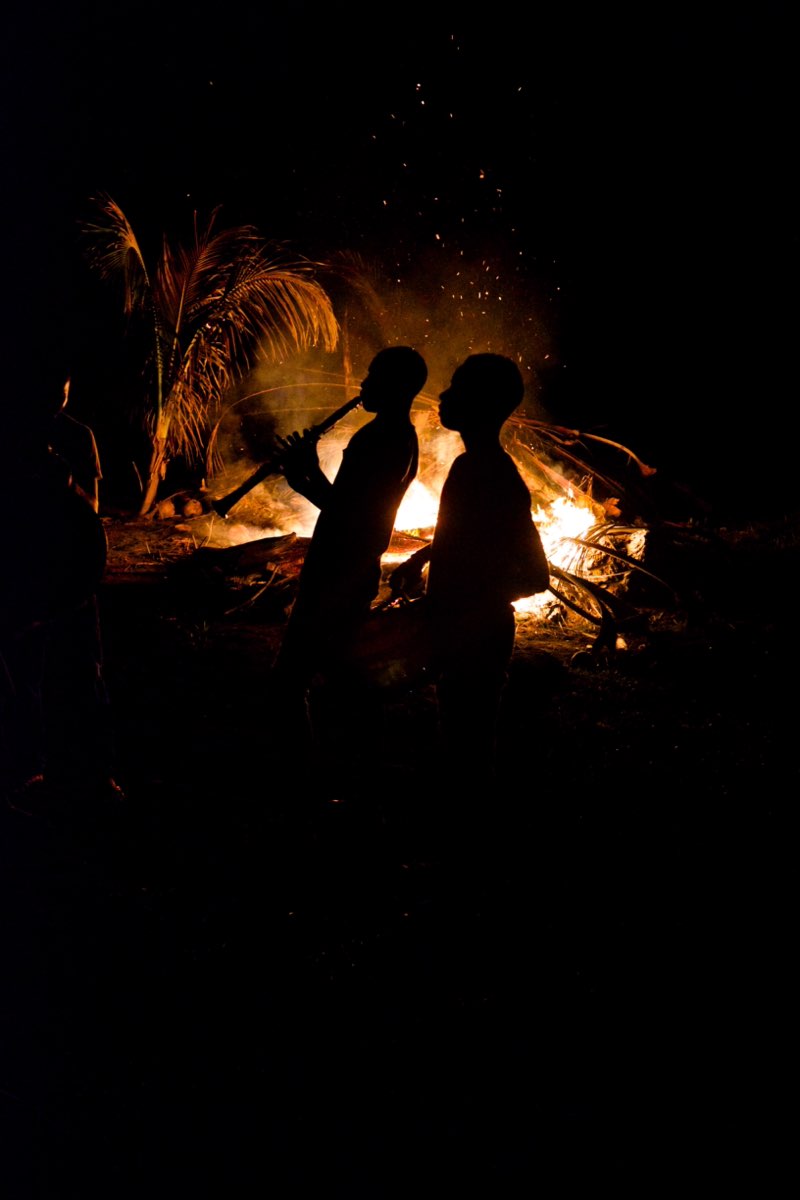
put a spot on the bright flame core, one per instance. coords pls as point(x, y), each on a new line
point(418, 509)
point(564, 520)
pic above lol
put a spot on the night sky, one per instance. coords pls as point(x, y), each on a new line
point(624, 180)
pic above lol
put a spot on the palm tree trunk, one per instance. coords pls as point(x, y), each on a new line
point(155, 473)
point(347, 363)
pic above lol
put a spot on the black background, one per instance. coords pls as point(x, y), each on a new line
point(631, 172)
point(221, 992)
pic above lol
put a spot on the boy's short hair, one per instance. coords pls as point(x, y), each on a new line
point(408, 364)
point(497, 379)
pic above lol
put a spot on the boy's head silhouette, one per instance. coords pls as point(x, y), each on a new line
point(393, 379)
point(483, 393)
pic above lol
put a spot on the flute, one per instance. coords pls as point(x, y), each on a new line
point(272, 465)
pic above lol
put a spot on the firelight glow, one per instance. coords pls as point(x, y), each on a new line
point(418, 509)
point(565, 519)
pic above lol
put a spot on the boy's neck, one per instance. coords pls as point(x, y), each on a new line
point(392, 416)
point(478, 441)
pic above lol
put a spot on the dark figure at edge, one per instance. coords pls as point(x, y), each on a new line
point(57, 743)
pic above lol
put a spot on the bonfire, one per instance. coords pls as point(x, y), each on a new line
point(594, 537)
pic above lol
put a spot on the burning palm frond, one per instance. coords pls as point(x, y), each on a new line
point(594, 604)
point(594, 590)
point(597, 544)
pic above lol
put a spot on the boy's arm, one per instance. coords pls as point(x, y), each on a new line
point(92, 498)
point(300, 467)
point(405, 577)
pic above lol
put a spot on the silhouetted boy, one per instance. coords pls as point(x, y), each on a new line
point(485, 554)
point(341, 572)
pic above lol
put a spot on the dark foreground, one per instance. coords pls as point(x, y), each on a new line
point(235, 988)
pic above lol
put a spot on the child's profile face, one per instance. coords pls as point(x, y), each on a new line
point(379, 387)
point(448, 410)
point(456, 404)
point(369, 388)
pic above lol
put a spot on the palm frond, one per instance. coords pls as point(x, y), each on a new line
point(281, 306)
point(564, 438)
point(594, 606)
point(217, 303)
point(114, 252)
point(593, 603)
point(626, 560)
point(269, 312)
